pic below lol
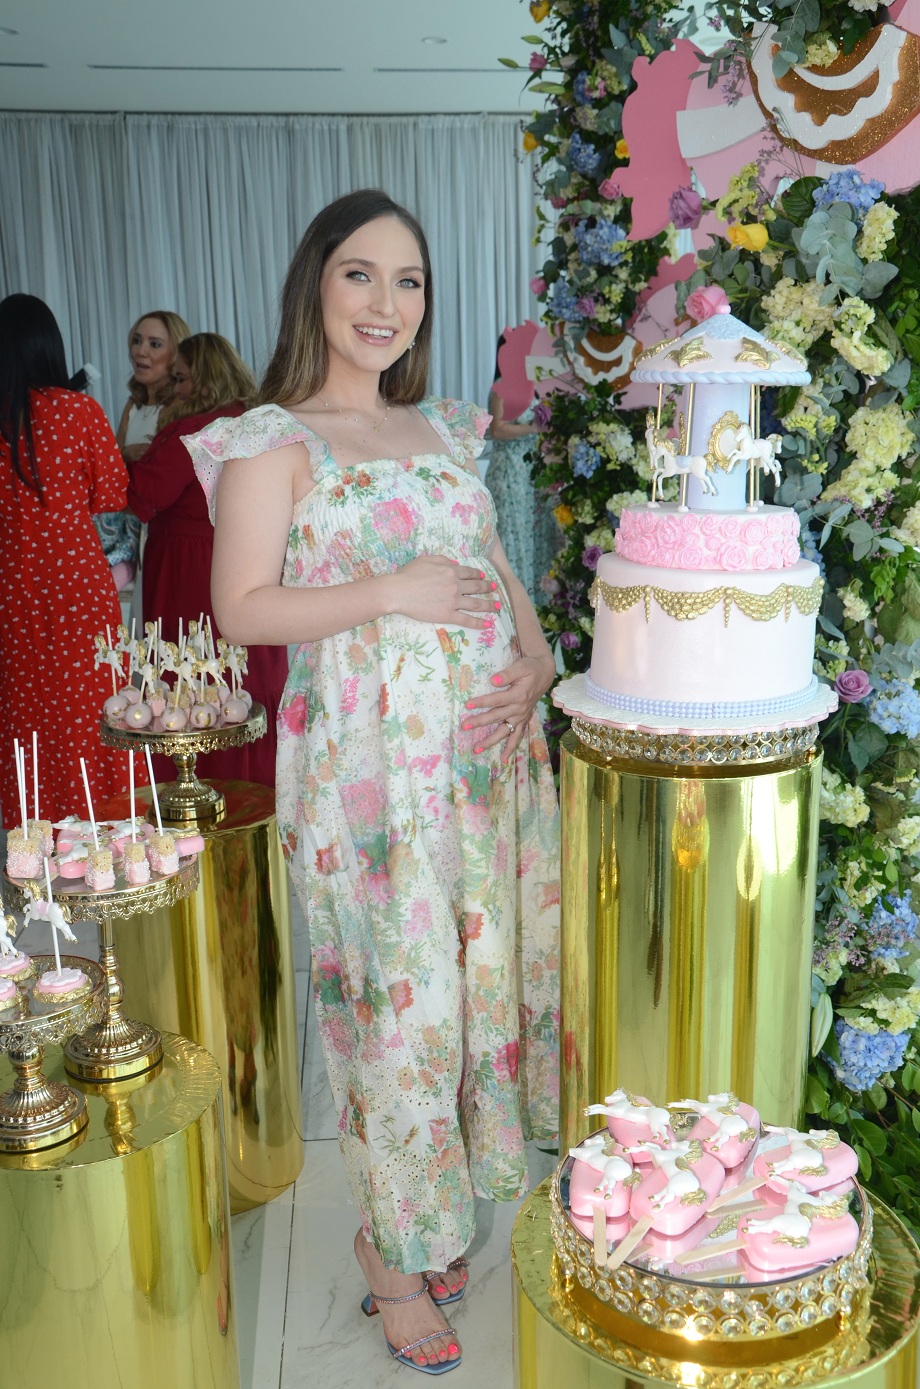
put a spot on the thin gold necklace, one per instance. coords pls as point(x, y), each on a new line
point(356, 419)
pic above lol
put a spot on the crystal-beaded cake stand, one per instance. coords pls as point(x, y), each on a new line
point(114, 1047)
point(188, 801)
point(38, 1113)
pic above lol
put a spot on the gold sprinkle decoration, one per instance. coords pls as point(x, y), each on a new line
point(655, 348)
point(832, 1212)
point(689, 352)
point(757, 353)
point(694, 1198)
point(813, 1171)
point(726, 1226)
point(793, 1241)
point(634, 1179)
point(827, 1141)
point(684, 607)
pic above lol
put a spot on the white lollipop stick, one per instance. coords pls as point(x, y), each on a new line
point(131, 786)
point(212, 649)
point(20, 782)
point(35, 772)
point(153, 788)
point(89, 802)
point(57, 953)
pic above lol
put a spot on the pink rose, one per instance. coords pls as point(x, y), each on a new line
point(703, 303)
point(537, 62)
point(733, 557)
point(687, 525)
point(710, 524)
point(853, 686)
point(775, 524)
point(639, 548)
point(763, 559)
point(609, 188)
point(668, 533)
point(731, 527)
point(691, 557)
point(752, 532)
point(538, 285)
point(791, 553)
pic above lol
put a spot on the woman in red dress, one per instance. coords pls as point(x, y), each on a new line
point(59, 466)
point(210, 381)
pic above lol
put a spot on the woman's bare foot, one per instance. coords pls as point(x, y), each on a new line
point(407, 1321)
point(451, 1281)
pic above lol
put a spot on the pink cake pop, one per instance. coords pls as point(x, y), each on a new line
point(811, 1229)
point(684, 1180)
point(633, 1120)
point(113, 710)
point(138, 715)
point(175, 719)
point(235, 710)
point(600, 1177)
point(816, 1160)
point(203, 715)
point(726, 1128)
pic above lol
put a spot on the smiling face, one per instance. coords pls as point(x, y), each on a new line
point(151, 354)
point(372, 294)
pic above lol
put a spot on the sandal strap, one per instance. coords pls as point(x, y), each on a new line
point(392, 1301)
point(459, 1263)
point(423, 1340)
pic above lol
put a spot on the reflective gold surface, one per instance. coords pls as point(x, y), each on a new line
point(687, 911)
point(218, 967)
point(114, 1254)
point(563, 1337)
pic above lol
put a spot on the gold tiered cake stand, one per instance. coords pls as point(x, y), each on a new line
point(37, 1112)
point(114, 1046)
point(188, 801)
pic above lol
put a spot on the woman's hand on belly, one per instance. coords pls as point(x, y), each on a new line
point(516, 692)
point(436, 589)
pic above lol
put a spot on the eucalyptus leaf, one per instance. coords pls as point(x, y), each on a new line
point(876, 275)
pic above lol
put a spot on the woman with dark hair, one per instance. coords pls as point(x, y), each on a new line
point(415, 798)
point(59, 466)
point(211, 382)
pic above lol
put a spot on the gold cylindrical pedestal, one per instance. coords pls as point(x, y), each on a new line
point(115, 1263)
point(687, 919)
point(563, 1336)
point(218, 967)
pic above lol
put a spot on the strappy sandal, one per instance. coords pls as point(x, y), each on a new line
point(369, 1306)
point(457, 1294)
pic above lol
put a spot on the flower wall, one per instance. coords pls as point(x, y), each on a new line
point(830, 266)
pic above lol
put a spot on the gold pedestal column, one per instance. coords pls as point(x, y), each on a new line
point(218, 967)
point(687, 920)
point(565, 1337)
point(115, 1264)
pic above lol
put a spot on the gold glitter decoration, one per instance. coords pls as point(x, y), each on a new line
point(756, 353)
point(693, 1198)
point(655, 348)
point(832, 1212)
point(684, 607)
point(716, 454)
point(793, 1241)
point(726, 1226)
point(690, 352)
point(693, 750)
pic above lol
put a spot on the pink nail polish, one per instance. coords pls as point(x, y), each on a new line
point(496, 680)
point(466, 727)
point(482, 573)
point(478, 749)
point(494, 584)
point(498, 606)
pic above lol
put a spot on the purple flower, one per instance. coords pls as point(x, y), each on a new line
point(685, 208)
point(570, 640)
point(542, 414)
point(591, 555)
point(853, 686)
point(586, 306)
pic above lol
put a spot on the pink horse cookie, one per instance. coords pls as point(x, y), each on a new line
point(811, 1229)
point(816, 1160)
point(632, 1119)
point(683, 1183)
point(726, 1128)
point(599, 1177)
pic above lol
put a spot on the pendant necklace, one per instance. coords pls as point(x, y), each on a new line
point(376, 428)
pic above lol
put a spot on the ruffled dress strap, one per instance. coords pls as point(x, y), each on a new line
point(460, 424)
point(258, 431)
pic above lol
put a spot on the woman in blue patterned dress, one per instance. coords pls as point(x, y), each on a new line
point(415, 798)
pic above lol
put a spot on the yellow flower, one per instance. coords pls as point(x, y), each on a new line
point(539, 9)
point(749, 236)
point(564, 514)
point(530, 142)
point(621, 150)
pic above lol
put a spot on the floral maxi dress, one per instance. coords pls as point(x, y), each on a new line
point(428, 873)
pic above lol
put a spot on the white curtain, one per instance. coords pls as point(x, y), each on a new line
point(107, 217)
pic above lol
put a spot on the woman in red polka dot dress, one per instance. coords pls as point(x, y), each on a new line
point(59, 464)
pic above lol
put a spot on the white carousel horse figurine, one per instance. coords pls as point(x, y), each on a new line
point(675, 1162)
point(690, 465)
point(757, 453)
point(41, 910)
point(7, 929)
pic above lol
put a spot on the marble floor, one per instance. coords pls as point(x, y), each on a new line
point(297, 1284)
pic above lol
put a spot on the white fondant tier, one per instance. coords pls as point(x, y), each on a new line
point(731, 541)
point(702, 644)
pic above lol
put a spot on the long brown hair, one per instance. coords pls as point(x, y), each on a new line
point(176, 330)
point(220, 377)
point(300, 362)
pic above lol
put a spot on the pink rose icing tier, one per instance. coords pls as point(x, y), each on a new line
point(54, 985)
point(729, 541)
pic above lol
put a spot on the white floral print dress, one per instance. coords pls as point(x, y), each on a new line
point(428, 873)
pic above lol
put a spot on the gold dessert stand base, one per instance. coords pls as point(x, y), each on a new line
point(564, 1336)
point(115, 1264)
point(38, 1113)
point(687, 917)
point(187, 801)
point(218, 967)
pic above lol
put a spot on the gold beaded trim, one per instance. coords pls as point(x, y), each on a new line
point(761, 607)
point(685, 749)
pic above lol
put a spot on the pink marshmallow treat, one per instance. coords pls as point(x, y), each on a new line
point(162, 855)
point(137, 869)
point(100, 874)
point(23, 856)
point(189, 844)
point(683, 1183)
point(816, 1159)
point(633, 1119)
point(727, 1128)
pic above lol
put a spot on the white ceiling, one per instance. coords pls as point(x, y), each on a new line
point(256, 55)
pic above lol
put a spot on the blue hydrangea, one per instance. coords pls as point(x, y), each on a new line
point(580, 89)
point(895, 707)
point(585, 459)
point(597, 245)
point(583, 157)
point(848, 186)
point(891, 927)
point(809, 547)
point(863, 1058)
point(563, 302)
